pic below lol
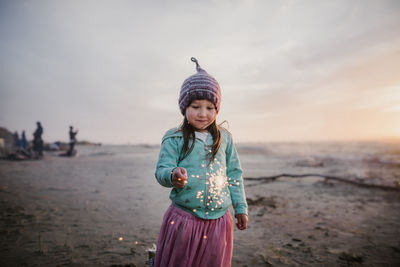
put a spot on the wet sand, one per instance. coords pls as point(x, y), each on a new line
point(104, 208)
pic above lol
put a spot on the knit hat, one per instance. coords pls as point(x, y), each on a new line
point(199, 86)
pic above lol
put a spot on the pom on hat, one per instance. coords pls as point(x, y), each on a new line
point(199, 86)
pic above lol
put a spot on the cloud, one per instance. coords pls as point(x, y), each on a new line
point(114, 69)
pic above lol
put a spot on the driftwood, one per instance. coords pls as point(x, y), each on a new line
point(357, 182)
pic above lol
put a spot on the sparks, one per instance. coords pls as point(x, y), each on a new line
point(218, 181)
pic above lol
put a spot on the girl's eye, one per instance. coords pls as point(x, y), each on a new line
point(210, 108)
point(195, 107)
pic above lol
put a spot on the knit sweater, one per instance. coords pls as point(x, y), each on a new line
point(211, 187)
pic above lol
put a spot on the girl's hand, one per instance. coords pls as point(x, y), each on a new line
point(179, 177)
point(241, 221)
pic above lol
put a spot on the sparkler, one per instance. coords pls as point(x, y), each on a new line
point(217, 181)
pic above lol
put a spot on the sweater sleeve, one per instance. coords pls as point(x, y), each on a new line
point(167, 161)
point(235, 179)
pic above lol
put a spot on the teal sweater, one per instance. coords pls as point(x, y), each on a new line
point(211, 188)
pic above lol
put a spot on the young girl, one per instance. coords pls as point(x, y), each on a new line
point(199, 161)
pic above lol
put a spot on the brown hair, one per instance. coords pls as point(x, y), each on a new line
point(188, 134)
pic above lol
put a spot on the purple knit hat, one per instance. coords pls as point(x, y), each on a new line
point(199, 86)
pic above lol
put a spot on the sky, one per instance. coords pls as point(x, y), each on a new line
point(288, 70)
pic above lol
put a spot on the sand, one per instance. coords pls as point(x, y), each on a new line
point(104, 208)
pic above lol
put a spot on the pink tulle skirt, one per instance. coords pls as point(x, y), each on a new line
point(186, 240)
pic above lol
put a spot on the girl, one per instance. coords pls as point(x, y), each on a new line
point(199, 161)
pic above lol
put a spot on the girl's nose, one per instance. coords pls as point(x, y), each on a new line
point(202, 112)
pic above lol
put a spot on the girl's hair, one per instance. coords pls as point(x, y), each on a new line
point(188, 134)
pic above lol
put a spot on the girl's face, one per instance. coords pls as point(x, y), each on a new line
point(200, 114)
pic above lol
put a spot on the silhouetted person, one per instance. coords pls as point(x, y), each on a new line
point(17, 141)
point(72, 140)
point(37, 140)
point(24, 142)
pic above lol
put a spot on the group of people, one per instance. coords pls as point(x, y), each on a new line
point(38, 144)
point(20, 143)
point(199, 162)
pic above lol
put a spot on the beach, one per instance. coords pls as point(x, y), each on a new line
point(105, 207)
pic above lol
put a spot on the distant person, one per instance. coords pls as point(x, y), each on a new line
point(17, 141)
point(72, 140)
point(199, 162)
point(37, 140)
point(24, 142)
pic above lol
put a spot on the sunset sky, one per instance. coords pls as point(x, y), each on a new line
point(289, 70)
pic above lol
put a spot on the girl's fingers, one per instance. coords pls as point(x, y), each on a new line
point(181, 172)
point(180, 177)
point(241, 223)
point(244, 225)
point(179, 183)
point(183, 178)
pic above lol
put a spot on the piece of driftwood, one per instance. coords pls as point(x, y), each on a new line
point(358, 182)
